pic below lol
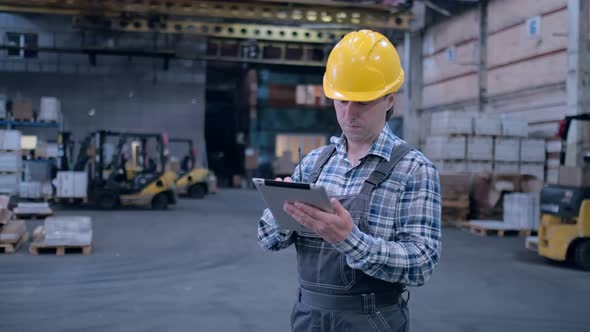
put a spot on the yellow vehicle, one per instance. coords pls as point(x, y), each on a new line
point(193, 181)
point(564, 231)
point(126, 178)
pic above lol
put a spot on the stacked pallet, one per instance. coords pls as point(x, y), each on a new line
point(521, 216)
point(10, 161)
point(12, 232)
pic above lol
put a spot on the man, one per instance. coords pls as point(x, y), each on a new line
point(354, 264)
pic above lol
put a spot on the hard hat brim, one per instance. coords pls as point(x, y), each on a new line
point(363, 96)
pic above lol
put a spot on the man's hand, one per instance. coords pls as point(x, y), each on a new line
point(332, 227)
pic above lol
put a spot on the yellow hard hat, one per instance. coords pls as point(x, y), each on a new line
point(363, 66)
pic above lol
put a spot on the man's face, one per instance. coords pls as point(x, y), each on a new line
point(362, 122)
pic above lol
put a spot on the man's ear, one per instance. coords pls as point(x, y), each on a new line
point(390, 100)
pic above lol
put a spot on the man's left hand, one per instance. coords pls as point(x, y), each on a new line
point(332, 227)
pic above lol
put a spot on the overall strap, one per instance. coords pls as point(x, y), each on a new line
point(384, 169)
point(323, 158)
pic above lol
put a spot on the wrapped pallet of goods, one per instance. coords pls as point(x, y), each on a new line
point(49, 110)
point(22, 110)
point(71, 184)
point(10, 161)
point(522, 210)
point(63, 233)
point(10, 140)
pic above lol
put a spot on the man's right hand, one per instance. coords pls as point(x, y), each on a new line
point(287, 179)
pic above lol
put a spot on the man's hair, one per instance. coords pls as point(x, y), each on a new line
point(388, 114)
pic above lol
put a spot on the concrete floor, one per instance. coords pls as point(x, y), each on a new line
point(198, 267)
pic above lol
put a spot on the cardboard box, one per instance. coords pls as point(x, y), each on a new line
point(251, 159)
point(5, 216)
point(13, 231)
point(574, 176)
point(22, 110)
point(455, 186)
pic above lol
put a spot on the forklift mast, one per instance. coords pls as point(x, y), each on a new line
point(191, 148)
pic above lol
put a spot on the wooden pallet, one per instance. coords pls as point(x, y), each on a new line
point(33, 215)
point(10, 248)
point(36, 248)
point(497, 228)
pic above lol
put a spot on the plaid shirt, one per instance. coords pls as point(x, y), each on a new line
point(404, 239)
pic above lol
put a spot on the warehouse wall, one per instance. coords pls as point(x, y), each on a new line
point(525, 76)
point(120, 92)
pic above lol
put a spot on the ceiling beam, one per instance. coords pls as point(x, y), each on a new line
point(289, 13)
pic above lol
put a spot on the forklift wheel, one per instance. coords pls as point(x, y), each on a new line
point(582, 255)
point(107, 201)
point(160, 202)
point(197, 191)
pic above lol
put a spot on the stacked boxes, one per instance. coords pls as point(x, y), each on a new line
point(484, 142)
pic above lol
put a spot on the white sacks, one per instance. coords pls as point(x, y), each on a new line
point(506, 149)
point(447, 122)
point(515, 127)
point(487, 124)
point(522, 210)
point(480, 148)
point(532, 150)
point(445, 147)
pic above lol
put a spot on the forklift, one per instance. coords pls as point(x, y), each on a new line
point(125, 174)
point(192, 181)
point(564, 230)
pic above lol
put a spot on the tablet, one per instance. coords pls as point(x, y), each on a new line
point(276, 193)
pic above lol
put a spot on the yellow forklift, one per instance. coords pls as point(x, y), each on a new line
point(192, 181)
point(564, 231)
point(125, 173)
